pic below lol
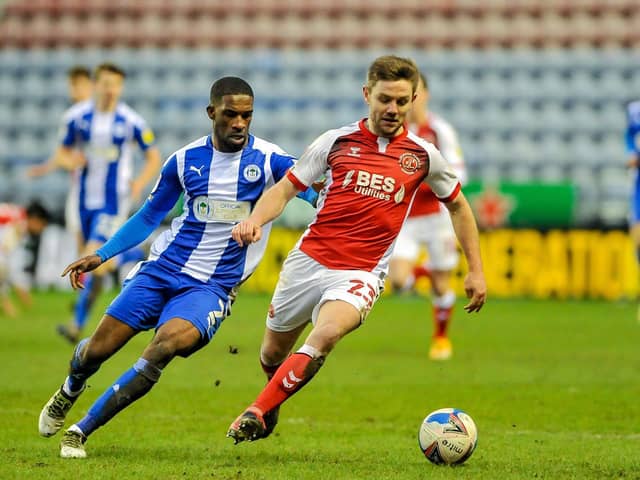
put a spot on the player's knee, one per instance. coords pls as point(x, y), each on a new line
point(273, 354)
point(162, 349)
point(166, 346)
point(276, 347)
point(92, 352)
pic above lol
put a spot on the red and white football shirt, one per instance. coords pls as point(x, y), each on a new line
point(371, 182)
point(439, 132)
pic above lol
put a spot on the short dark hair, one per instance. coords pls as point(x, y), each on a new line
point(109, 67)
point(229, 86)
point(392, 67)
point(78, 71)
point(36, 210)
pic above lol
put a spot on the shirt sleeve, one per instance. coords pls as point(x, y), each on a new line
point(314, 161)
point(134, 231)
point(168, 187)
point(68, 131)
point(161, 200)
point(143, 135)
point(280, 165)
point(441, 178)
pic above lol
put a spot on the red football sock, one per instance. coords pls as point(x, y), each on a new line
point(419, 272)
point(288, 379)
point(441, 319)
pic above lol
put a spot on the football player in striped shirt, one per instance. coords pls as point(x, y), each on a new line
point(185, 288)
point(105, 131)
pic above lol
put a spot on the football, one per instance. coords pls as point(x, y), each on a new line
point(448, 436)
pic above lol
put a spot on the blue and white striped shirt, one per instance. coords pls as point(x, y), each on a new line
point(220, 189)
point(106, 139)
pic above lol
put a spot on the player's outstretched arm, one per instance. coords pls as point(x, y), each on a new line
point(466, 230)
point(42, 169)
point(75, 269)
point(269, 207)
point(67, 158)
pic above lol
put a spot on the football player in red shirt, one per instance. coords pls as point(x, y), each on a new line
point(335, 273)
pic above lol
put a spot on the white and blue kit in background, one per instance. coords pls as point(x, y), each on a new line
point(107, 140)
point(194, 265)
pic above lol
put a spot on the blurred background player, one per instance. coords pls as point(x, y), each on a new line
point(11, 218)
point(632, 138)
point(429, 225)
point(21, 231)
point(104, 130)
point(80, 83)
point(80, 87)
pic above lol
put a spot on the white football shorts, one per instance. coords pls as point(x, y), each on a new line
point(305, 285)
point(436, 233)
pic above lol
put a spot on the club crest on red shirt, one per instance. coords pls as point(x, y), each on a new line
point(409, 163)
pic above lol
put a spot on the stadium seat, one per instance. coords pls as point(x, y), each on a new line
point(491, 95)
point(7, 184)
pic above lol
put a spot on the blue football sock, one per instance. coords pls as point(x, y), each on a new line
point(78, 371)
point(133, 384)
point(83, 304)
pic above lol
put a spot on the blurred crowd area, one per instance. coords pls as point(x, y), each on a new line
point(536, 89)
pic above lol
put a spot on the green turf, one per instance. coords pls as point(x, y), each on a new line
point(553, 387)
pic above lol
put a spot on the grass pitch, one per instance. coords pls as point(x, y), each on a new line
point(552, 386)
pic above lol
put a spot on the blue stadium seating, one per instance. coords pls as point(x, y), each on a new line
point(523, 113)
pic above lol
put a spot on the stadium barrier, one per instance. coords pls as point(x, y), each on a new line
point(518, 263)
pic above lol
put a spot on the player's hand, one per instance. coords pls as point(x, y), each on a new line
point(476, 289)
point(75, 269)
point(79, 159)
point(246, 232)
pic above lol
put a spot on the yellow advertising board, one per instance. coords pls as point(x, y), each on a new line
point(519, 263)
